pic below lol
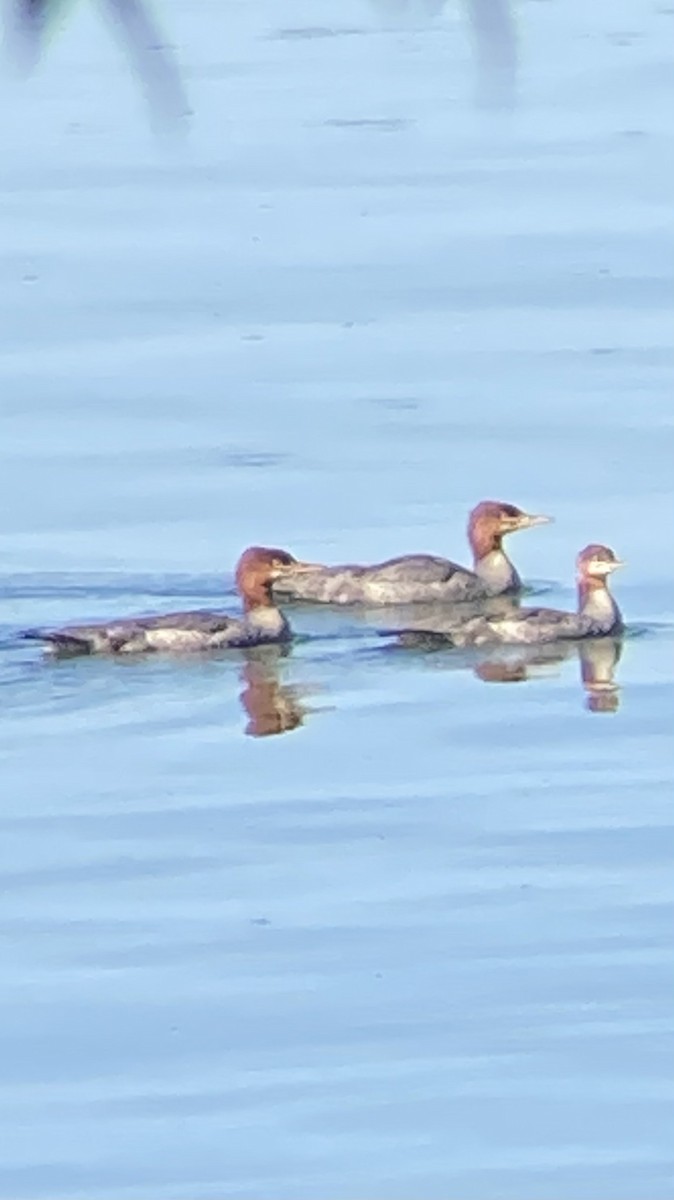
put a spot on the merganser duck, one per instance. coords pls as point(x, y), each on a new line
point(262, 622)
point(598, 614)
point(421, 577)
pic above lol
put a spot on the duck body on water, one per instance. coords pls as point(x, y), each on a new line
point(261, 623)
point(495, 618)
point(414, 578)
point(597, 614)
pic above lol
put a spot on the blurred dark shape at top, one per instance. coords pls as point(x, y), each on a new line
point(411, 8)
point(24, 29)
point(28, 22)
point(495, 52)
point(493, 32)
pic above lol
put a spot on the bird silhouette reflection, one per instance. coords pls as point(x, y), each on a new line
point(271, 706)
point(598, 659)
point(512, 663)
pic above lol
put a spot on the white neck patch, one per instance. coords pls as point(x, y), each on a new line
point(496, 570)
point(266, 621)
point(599, 604)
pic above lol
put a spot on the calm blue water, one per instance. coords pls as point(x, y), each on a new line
point(343, 923)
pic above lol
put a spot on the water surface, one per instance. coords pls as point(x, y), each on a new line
point(344, 922)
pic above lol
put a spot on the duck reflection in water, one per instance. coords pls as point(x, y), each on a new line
point(271, 707)
point(26, 28)
point(598, 659)
point(508, 642)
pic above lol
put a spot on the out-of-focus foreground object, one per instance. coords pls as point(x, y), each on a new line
point(29, 23)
